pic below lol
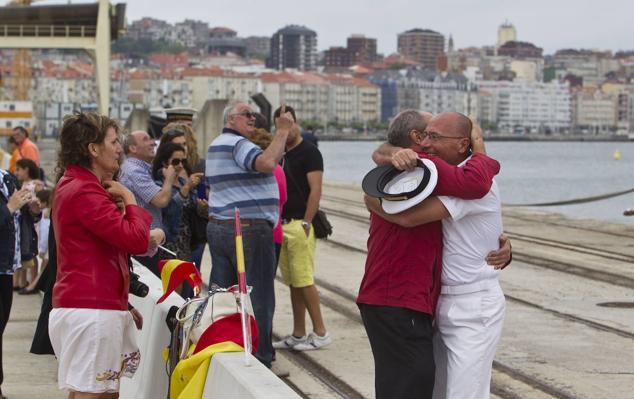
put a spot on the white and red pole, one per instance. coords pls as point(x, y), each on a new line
point(242, 288)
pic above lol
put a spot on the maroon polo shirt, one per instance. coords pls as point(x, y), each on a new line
point(404, 264)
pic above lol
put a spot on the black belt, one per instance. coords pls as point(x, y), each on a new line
point(243, 222)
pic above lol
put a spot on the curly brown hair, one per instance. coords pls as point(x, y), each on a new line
point(261, 138)
point(79, 130)
point(190, 141)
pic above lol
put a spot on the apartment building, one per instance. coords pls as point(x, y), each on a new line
point(422, 45)
point(216, 83)
point(424, 90)
point(322, 97)
point(293, 47)
point(523, 106)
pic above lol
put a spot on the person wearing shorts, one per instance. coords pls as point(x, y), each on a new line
point(304, 169)
point(91, 329)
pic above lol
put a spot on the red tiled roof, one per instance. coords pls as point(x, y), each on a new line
point(170, 59)
point(312, 78)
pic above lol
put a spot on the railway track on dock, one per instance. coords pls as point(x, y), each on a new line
point(524, 256)
point(341, 301)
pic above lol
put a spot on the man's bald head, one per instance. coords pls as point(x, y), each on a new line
point(448, 137)
point(130, 140)
point(451, 124)
point(404, 122)
point(139, 144)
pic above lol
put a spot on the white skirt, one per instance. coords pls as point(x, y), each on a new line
point(94, 348)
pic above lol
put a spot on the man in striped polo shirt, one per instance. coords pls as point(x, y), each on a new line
point(239, 175)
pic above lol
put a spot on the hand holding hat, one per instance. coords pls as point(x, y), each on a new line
point(401, 190)
point(405, 159)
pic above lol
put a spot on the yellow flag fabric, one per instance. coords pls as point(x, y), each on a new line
point(190, 375)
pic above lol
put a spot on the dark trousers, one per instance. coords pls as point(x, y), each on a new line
point(6, 300)
point(197, 258)
point(259, 259)
point(401, 341)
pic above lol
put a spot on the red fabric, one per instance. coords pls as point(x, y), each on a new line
point(185, 271)
point(93, 241)
point(404, 264)
point(228, 329)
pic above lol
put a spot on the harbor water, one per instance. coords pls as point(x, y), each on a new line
point(532, 172)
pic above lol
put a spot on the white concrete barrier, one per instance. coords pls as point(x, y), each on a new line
point(151, 379)
point(227, 377)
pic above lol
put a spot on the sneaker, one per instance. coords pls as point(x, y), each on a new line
point(289, 342)
point(313, 342)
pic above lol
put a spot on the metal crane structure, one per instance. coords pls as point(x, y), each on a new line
point(21, 65)
point(90, 27)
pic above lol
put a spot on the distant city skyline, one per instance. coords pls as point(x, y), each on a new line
point(549, 24)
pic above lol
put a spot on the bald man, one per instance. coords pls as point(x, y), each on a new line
point(398, 294)
point(136, 175)
point(471, 306)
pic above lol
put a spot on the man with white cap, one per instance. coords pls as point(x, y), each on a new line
point(180, 114)
point(471, 306)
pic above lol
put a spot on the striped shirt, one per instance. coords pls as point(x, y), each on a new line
point(136, 175)
point(233, 181)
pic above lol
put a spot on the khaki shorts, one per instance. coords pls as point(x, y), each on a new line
point(297, 257)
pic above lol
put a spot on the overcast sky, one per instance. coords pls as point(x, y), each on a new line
point(550, 24)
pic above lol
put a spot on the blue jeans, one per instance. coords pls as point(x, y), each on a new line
point(259, 258)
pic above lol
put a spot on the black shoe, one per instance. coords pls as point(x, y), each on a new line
point(26, 291)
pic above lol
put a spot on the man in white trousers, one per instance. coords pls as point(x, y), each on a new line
point(471, 307)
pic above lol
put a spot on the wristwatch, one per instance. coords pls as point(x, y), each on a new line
point(305, 224)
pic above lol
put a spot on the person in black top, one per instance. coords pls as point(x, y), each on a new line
point(303, 168)
point(309, 135)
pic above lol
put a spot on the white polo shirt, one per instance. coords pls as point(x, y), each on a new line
point(469, 235)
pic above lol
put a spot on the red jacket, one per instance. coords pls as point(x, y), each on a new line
point(404, 264)
point(93, 241)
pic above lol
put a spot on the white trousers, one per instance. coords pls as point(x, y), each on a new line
point(469, 320)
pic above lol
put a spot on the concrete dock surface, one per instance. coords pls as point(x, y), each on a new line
point(26, 375)
point(568, 332)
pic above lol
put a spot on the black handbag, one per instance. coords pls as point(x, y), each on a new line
point(198, 225)
point(321, 224)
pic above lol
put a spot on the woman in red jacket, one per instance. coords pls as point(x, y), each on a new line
point(90, 327)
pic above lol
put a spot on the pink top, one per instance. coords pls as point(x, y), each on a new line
point(278, 235)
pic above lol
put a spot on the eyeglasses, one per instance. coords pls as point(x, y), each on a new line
point(246, 114)
point(177, 161)
point(433, 136)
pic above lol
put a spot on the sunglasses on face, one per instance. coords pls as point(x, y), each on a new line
point(178, 161)
point(174, 133)
point(247, 114)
